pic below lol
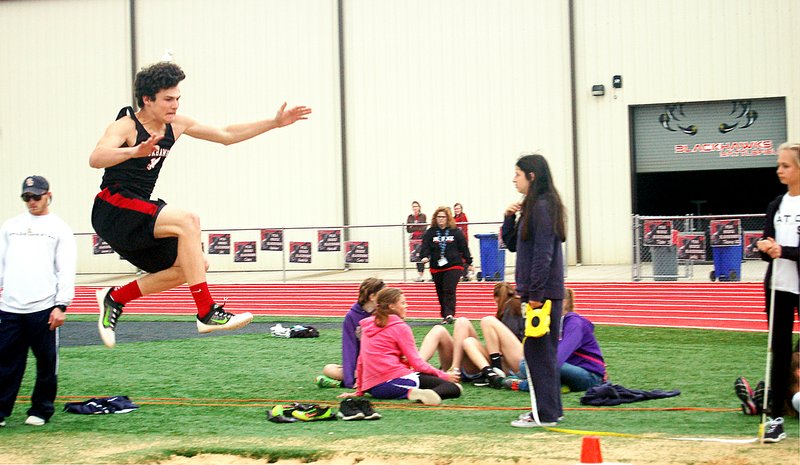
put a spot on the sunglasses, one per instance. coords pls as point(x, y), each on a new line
point(26, 197)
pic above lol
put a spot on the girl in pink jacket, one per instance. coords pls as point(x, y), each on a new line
point(389, 366)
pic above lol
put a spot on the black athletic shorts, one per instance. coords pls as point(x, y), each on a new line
point(127, 223)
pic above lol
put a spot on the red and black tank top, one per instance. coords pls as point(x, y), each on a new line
point(139, 175)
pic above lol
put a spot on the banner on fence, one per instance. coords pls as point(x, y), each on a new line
point(329, 240)
point(750, 249)
point(299, 252)
point(245, 251)
point(356, 252)
point(272, 240)
point(99, 246)
point(219, 244)
point(691, 246)
point(658, 233)
point(726, 232)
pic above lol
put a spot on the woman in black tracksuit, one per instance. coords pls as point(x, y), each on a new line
point(445, 248)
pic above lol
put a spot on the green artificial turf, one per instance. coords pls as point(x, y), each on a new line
point(207, 395)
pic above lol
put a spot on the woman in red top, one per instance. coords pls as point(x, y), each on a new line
point(463, 224)
point(416, 232)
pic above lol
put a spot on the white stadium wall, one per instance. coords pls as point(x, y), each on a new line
point(440, 98)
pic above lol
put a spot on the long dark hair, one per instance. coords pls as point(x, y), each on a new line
point(541, 187)
point(506, 298)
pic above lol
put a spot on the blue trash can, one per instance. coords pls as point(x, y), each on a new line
point(493, 259)
point(727, 262)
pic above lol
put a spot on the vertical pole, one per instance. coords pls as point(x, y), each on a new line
point(283, 253)
point(134, 64)
point(637, 256)
point(403, 250)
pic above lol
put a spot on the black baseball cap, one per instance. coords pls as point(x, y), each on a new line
point(37, 185)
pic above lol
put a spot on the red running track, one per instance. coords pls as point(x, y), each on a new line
point(728, 306)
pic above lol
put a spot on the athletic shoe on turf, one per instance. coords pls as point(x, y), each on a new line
point(349, 410)
point(773, 430)
point(745, 394)
point(314, 412)
point(2, 423)
point(511, 383)
point(218, 319)
point(426, 396)
point(448, 320)
point(366, 408)
point(109, 314)
point(36, 421)
point(494, 376)
point(526, 421)
point(327, 382)
point(758, 398)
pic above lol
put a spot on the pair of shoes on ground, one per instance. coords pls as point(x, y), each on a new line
point(752, 400)
point(327, 382)
point(526, 420)
point(448, 320)
point(357, 408)
point(773, 430)
point(216, 320)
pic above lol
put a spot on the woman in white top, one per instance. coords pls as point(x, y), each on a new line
point(781, 248)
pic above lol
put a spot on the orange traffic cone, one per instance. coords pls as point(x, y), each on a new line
point(590, 450)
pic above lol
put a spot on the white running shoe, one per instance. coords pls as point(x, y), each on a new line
point(220, 320)
point(34, 421)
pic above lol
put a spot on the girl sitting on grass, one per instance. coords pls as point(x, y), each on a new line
point(343, 375)
point(389, 366)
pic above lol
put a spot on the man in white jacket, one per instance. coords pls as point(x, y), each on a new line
point(37, 278)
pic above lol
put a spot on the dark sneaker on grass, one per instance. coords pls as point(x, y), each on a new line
point(349, 410)
point(220, 320)
point(773, 430)
point(758, 398)
point(366, 408)
point(109, 314)
point(494, 376)
point(745, 394)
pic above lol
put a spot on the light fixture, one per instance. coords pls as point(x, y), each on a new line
point(598, 90)
point(616, 81)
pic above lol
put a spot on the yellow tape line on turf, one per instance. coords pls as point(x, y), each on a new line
point(639, 436)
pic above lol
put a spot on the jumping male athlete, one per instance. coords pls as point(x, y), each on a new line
point(158, 238)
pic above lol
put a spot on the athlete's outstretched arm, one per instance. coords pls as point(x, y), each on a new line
point(109, 152)
point(240, 132)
